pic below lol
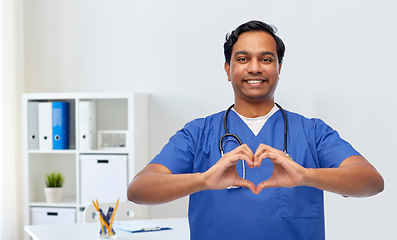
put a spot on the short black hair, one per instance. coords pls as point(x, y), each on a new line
point(231, 38)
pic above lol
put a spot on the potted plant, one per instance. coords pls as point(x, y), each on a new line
point(54, 183)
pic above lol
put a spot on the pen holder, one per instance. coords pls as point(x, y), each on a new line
point(105, 222)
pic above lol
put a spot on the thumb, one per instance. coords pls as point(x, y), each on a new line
point(265, 184)
point(247, 184)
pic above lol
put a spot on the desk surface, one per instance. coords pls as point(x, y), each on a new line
point(88, 231)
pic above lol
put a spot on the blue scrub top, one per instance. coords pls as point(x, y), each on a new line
point(275, 213)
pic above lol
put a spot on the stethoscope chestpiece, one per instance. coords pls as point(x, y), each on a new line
point(232, 187)
point(287, 154)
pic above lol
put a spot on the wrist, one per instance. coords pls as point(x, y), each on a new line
point(201, 181)
point(306, 177)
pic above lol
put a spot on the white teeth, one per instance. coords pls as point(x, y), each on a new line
point(254, 81)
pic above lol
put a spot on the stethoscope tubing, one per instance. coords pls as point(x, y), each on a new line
point(227, 134)
point(285, 127)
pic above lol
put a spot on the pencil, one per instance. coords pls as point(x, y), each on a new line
point(113, 215)
point(101, 220)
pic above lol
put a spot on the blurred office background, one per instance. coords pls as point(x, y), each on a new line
point(339, 66)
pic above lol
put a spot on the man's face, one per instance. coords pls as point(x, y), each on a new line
point(254, 69)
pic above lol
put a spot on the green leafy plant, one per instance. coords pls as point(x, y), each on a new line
point(54, 179)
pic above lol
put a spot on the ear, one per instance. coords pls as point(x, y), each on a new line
point(279, 68)
point(227, 70)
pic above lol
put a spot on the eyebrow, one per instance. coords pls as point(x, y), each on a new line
point(262, 53)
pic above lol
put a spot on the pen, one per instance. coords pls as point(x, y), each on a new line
point(106, 218)
point(151, 229)
point(102, 220)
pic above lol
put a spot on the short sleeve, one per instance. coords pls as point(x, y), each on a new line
point(332, 150)
point(178, 154)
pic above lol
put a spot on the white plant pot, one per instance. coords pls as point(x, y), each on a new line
point(53, 195)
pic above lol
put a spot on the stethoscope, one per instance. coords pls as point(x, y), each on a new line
point(238, 140)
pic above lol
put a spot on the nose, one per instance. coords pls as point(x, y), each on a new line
point(254, 67)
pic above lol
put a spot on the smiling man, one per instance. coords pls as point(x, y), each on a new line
point(254, 72)
point(255, 171)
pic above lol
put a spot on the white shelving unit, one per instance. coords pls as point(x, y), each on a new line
point(114, 111)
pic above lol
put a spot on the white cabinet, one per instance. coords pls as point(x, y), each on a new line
point(42, 215)
point(111, 112)
point(103, 177)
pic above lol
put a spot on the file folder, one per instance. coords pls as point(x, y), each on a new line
point(140, 226)
point(45, 126)
point(33, 125)
point(60, 125)
point(87, 125)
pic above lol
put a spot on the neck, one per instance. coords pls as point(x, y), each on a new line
point(251, 110)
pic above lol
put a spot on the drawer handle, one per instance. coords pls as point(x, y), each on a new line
point(52, 214)
point(103, 161)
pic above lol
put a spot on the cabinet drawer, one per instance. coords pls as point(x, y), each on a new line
point(103, 177)
point(42, 215)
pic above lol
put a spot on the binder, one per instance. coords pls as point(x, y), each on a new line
point(45, 126)
point(60, 125)
point(33, 125)
point(87, 125)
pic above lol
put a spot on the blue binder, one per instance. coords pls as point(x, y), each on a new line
point(60, 125)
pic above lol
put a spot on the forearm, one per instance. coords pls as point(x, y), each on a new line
point(154, 187)
point(355, 177)
point(156, 184)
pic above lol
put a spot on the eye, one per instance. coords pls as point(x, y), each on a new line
point(242, 59)
point(267, 60)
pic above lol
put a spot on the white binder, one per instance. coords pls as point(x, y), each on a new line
point(87, 124)
point(45, 126)
point(33, 125)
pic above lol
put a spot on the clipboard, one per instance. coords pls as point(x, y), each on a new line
point(139, 226)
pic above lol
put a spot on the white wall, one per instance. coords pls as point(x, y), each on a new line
point(339, 66)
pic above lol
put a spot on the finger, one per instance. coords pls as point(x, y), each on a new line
point(233, 159)
point(276, 156)
point(262, 152)
point(262, 148)
point(259, 151)
point(247, 184)
point(243, 152)
point(243, 148)
point(247, 151)
point(266, 184)
point(249, 162)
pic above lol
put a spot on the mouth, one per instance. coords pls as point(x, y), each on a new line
point(254, 81)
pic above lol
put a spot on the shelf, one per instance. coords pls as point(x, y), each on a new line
point(66, 151)
point(105, 152)
point(72, 151)
point(66, 202)
point(127, 112)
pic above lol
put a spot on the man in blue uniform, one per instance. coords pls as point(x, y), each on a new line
point(259, 189)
